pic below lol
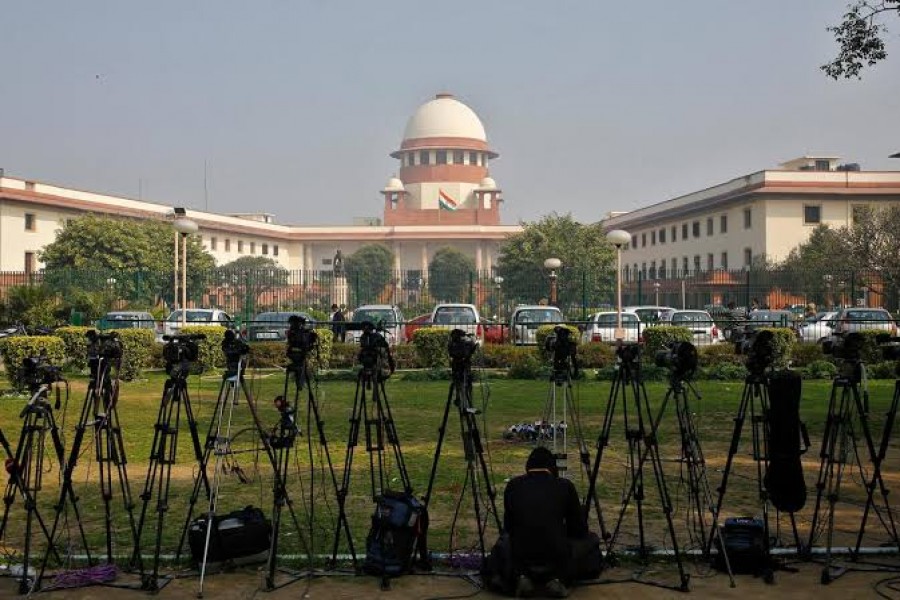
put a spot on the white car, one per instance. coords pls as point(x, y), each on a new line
point(601, 327)
point(817, 328)
point(701, 324)
point(525, 321)
point(202, 317)
point(458, 316)
point(650, 315)
point(384, 315)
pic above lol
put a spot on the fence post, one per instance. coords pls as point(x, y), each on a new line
point(471, 288)
point(747, 291)
point(640, 288)
point(852, 288)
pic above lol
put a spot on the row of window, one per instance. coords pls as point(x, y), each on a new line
point(688, 230)
point(633, 272)
point(444, 157)
point(214, 245)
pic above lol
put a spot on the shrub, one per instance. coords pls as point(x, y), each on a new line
point(542, 332)
point(529, 365)
point(501, 356)
point(155, 357)
point(405, 356)
point(136, 344)
point(870, 353)
point(431, 346)
point(658, 336)
point(268, 355)
point(595, 356)
point(326, 341)
point(821, 369)
point(343, 356)
point(881, 370)
point(76, 345)
point(783, 344)
point(211, 355)
point(718, 354)
point(805, 354)
point(723, 371)
point(15, 349)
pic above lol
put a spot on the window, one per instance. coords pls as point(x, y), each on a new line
point(696, 262)
point(265, 249)
point(748, 218)
point(473, 158)
point(709, 226)
point(227, 245)
point(240, 246)
point(674, 266)
point(424, 157)
point(674, 234)
point(29, 263)
point(725, 260)
point(684, 234)
point(252, 247)
point(662, 235)
point(29, 222)
point(710, 262)
point(723, 224)
point(653, 238)
point(684, 264)
point(458, 157)
point(695, 228)
point(213, 243)
point(653, 270)
point(634, 241)
point(823, 165)
point(748, 257)
point(643, 240)
point(411, 159)
point(274, 249)
point(440, 157)
point(812, 214)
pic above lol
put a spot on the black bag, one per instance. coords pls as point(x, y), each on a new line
point(744, 539)
point(242, 537)
point(399, 526)
point(784, 476)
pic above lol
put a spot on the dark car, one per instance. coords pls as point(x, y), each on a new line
point(272, 326)
point(762, 318)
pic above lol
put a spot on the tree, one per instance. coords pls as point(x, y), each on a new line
point(129, 258)
point(874, 243)
point(250, 277)
point(450, 274)
point(588, 271)
point(860, 37)
point(369, 270)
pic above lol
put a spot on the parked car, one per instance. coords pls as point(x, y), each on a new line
point(864, 319)
point(458, 316)
point(700, 323)
point(415, 323)
point(816, 328)
point(525, 321)
point(601, 327)
point(127, 319)
point(650, 314)
point(197, 317)
point(494, 332)
point(382, 315)
point(760, 318)
point(272, 326)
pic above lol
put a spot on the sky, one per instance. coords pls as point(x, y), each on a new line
point(293, 107)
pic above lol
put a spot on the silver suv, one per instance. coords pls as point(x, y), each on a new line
point(525, 321)
point(864, 319)
point(202, 317)
point(382, 315)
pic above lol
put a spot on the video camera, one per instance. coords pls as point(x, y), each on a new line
point(563, 350)
point(374, 351)
point(629, 353)
point(845, 347)
point(461, 347)
point(181, 351)
point(680, 358)
point(234, 348)
point(37, 371)
point(301, 338)
point(103, 345)
point(759, 348)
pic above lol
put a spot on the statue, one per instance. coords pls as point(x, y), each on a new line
point(338, 264)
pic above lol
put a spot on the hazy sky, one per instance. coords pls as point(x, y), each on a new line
point(295, 106)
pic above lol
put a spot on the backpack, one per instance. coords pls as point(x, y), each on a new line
point(399, 526)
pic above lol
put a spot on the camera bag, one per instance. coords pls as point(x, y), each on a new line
point(399, 528)
point(240, 537)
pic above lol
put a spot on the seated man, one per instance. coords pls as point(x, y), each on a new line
point(542, 515)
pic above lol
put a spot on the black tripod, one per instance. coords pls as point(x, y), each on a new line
point(371, 410)
point(640, 433)
point(180, 353)
point(478, 473)
point(301, 374)
point(100, 412)
point(26, 465)
point(846, 423)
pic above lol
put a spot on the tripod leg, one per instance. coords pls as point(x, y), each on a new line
point(356, 415)
point(602, 442)
point(826, 454)
point(442, 430)
point(584, 456)
point(392, 437)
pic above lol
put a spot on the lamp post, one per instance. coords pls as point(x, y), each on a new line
point(498, 281)
point(184, 227)
point(618, 238)
point(656, 290)
point(827, 278)
point(865, 295)
point(552, 264)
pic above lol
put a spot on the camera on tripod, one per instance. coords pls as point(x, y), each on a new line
point(234, 349)
point(461, 347)
point(563, 351)
point(629, 352)
point(759, 348)
point(181, 351)
point(301, 339)
point(680, 358)
point(374, 350)
point(37, 371)
point(103, 345)
point(845, 347)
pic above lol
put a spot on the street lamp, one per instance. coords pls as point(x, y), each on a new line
point(656, 289)
point(618, 238)
point(552, 264)
point(828, 278)
point(865, 295)
point(498, 281)
point(184, 227)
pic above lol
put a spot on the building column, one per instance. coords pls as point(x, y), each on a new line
point(398, 248)
point(478, 261)
point(301, 261)
point(425, 259)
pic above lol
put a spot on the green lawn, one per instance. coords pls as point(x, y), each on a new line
point(417, 409)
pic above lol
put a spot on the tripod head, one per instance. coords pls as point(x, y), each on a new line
point(461, 347)
point(180, 353)
point(847, 348)
point(102, 346)
point(563, 351)
point(38, 375)
point(680, 358)
point(234, 349)
point(374, 352)
point(759, 348)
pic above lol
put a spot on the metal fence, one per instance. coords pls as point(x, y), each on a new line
point(577, 292)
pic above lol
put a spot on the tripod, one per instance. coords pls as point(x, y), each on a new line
point(164, 449)
point(477, 470)
point(640, 434)
point(847, 410)
point(99, 411)
point(372, 410)
point(26, 469)
point(282, 441)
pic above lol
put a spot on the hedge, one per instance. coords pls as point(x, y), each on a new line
point(136, 345)
point(657, 337)
point(210, 355)
point(15, 349)
point(431, 346)
point(76, 345)
point(783, 344)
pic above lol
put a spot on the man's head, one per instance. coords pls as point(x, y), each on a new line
point(541, 459)
point(334, 307)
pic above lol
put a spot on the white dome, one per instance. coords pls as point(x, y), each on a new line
point(488, 183)
point(393, 185)
point(445, 116)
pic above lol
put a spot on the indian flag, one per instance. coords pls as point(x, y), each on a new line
point(446, 202)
